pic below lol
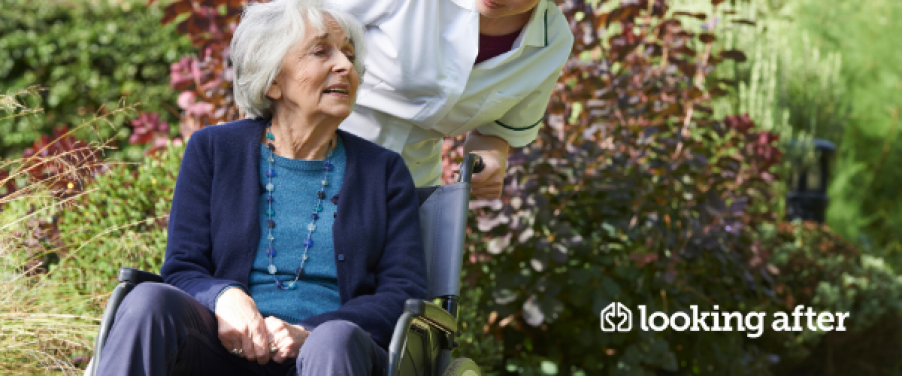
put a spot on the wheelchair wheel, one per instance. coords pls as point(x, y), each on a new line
point(462, 367)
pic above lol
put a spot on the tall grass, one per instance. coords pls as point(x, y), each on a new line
point(40, 333)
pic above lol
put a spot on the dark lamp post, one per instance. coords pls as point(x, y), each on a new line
point(807, 198)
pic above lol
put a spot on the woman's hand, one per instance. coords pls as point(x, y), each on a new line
point(287, 339)
point(241, 326)
point(488, 183)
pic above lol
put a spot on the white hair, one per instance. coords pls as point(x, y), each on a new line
point(268, 31)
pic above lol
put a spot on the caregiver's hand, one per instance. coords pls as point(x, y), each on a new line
point(286, 338)
point(488, 183)
point(241, 327)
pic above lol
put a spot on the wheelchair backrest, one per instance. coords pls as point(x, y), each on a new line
point(443, 221)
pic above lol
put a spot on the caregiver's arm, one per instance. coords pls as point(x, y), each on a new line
point(520, 125)
point(516, 128)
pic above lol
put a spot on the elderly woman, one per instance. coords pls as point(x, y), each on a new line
point(484, 68)
point(292, 245)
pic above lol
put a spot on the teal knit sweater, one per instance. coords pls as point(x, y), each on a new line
point(296, 183)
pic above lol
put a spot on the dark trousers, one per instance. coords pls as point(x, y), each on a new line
point(160, 331)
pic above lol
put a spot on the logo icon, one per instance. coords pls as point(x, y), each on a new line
point(616, 318)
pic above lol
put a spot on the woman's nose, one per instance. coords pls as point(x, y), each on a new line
point(344, 64)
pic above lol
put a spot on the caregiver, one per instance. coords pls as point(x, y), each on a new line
point(437, 68)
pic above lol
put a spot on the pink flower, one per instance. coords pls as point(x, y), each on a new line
point(188, 102)
point(183, 72)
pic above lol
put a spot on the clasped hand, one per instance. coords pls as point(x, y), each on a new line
point(244, 332)
point(488, 184)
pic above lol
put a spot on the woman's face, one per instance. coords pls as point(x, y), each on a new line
point(318, 76)
point(504, 8)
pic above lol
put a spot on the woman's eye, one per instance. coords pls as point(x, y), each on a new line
point(351, 57)
point(320, 52)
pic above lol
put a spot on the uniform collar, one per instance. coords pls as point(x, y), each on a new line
point(536, 35)
point(536, 29)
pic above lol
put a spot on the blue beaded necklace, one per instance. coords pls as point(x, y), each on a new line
point(270, 223)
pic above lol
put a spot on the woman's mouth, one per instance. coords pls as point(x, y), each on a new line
point(491, 5)
point(339, 91)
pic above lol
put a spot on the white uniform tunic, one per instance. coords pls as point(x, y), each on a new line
point(421, 85)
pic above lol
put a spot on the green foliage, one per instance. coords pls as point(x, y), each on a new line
point(88, 55)
point(830, 69)
point(119, 222)
point(868, 209)
point(475, 342)
point(820, 269)
point(789, 86)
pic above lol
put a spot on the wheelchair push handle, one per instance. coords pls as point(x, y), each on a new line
point(472, 164)
point(136, 276)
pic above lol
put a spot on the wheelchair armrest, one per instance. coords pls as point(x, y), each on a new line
point(136, 276)
point(128, 279)
point(432, 314)
point(427, 313)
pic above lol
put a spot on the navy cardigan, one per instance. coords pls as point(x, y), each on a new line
point(214, 226)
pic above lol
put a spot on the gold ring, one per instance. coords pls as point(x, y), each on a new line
point(273, 349)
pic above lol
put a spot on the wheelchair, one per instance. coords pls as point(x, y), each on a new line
point(424, 336)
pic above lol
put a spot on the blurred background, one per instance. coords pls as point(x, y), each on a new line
point(737, 153)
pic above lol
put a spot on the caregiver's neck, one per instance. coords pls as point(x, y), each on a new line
point(504, 25)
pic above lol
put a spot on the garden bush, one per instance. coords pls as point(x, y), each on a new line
point(120, 221)
point(88, 55)
point(828, 69)
point(204, 78)
point(72, 222)
point(820, 269)
point(61, 263)
point(633, 193)
point(865, 205)
point(636, 193)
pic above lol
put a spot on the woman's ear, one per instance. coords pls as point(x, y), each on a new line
point(275, 91)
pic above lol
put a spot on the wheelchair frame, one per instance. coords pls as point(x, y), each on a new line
point(426, 330)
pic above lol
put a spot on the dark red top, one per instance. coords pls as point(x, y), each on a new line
point(492, 45)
